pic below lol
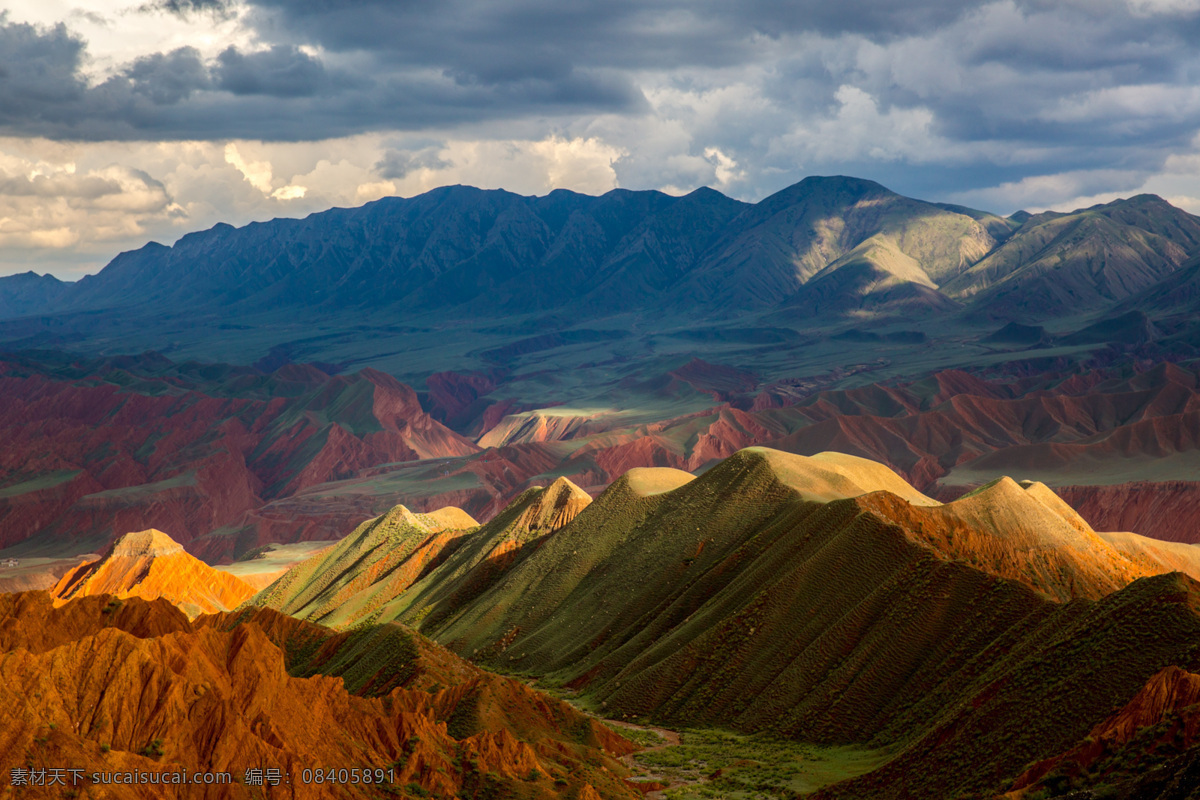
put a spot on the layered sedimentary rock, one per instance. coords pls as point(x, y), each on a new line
point(107, 686)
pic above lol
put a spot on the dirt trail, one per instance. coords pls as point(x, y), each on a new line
point(669, 737)
point(643, 773)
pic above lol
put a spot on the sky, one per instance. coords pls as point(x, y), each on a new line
point(125, 122)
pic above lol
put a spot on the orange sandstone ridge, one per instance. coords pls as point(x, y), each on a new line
point(105, 687)
point(150, 564)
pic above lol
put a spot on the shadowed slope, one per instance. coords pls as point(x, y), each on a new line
point(1160, 722)
point(1038, 691)
point(150, 564)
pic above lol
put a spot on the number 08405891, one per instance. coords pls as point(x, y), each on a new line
point(348, 776)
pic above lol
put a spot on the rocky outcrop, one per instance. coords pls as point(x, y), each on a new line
point(104, 686)
point(149, 564)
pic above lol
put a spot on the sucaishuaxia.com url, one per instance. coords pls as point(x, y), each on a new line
point(76, 777)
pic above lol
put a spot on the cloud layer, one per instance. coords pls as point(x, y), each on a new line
point(285, 105)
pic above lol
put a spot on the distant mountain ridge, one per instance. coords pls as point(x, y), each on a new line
point(824, 245)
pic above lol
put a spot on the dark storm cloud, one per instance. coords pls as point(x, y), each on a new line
point(167, 78)
point(1028, 73)
point(397, 164)
point(39, 72)
point(1012, 87)
point(248, 94)
point(281, 72)
point(880, 19)
point(523, 39)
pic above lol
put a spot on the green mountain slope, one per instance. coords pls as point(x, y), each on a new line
point(819, 598)
point(1067, 263)
point(347, 583)
point(402, 560)
point(778, 245)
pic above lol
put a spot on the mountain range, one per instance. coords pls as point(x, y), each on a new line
point(231, 460)
point(825, 247)
point(819, 598)
point(837, 238)
point(993, 645)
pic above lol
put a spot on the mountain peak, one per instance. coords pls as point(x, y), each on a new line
point(832, 476)
point(150, 564)
point(554, 506)
point(648, 481)
point(831, 185)
point(149, 543)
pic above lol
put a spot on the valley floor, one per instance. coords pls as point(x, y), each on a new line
point(709, 763)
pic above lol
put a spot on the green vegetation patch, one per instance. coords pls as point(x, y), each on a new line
point(47, 481)
point(642, 737)
point(715, 763)
point(372, 661)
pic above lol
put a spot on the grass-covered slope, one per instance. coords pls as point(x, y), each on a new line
point(1039, 692)
point(351, 580)
point(403, 560)
point(487, 554)
point(824, 599)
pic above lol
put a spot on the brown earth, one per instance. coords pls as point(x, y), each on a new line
point(1169, 510)
point(104, 685)
point(97, 449)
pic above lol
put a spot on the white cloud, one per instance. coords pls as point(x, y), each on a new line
point(117, 32)
point(724, 167)
point(859, 130)
point(1145, 104)
point(1063, 191)
point(50, 203)
point(69, 208)
point(290, 192)
point(1177, 182)
point(258, 173)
